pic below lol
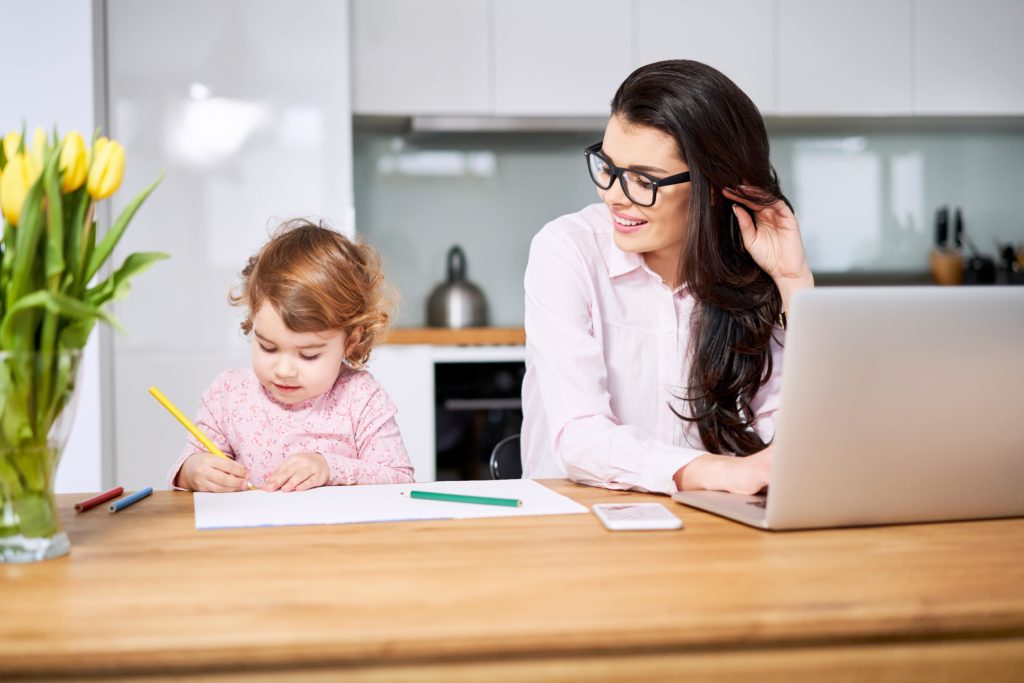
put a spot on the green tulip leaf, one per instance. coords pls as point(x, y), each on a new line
point(54, 303)
point(113, 236)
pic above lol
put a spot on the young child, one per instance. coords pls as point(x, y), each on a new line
point(305, 414)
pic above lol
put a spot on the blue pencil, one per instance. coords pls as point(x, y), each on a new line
point(135, 497)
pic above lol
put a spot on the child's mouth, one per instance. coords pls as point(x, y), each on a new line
point(285, 389)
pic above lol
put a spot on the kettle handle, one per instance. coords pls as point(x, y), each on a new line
point(456, 264)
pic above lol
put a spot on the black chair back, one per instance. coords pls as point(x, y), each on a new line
point(505, 459)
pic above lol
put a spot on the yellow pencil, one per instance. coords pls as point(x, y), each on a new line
point(187, 423)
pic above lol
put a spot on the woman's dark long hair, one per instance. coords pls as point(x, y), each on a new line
point(721, 136)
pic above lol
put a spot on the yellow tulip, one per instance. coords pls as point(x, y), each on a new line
point(14, 185)
point(11, 142)
point(38, 148)
point(106, 169)
point(93, 152)
point(72, 162)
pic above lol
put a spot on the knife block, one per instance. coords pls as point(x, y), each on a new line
point(947, 267)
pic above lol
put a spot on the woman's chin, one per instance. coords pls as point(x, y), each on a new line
point(633, 242)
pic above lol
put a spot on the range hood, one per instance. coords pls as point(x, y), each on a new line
point(488, 124)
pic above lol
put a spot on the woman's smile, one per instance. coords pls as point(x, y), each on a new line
point(625, 223)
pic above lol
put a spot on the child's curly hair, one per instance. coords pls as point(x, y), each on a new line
point(317, 279)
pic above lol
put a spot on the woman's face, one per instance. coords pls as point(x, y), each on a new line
point(656, 231)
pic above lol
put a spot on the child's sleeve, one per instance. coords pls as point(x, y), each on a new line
point(209, 419)
point(381, 457)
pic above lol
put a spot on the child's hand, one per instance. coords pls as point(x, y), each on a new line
point(299, 472)
point(205, 472)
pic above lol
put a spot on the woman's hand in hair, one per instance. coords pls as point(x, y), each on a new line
point(773, 240)
point(710, 472)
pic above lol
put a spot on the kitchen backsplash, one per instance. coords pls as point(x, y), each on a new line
point(866, 198)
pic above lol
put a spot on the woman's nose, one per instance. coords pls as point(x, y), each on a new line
point(615, 195)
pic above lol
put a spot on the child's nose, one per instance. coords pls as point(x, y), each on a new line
point(285, 367)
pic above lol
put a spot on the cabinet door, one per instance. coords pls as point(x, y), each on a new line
point(414, 57)
point(845, 58)
point(407, 373)
point(737, 37)
point(249, 125)
point(559, 58)
point(969, 57)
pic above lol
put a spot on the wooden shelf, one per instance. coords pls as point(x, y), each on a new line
point(467, 336)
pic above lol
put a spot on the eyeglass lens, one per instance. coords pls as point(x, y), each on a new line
point(638, 188)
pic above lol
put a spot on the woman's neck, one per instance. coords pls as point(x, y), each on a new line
point(665, 265)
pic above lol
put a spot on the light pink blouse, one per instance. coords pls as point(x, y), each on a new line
point(352, 426)
point(607, 346)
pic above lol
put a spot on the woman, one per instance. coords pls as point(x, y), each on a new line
point(654, 320)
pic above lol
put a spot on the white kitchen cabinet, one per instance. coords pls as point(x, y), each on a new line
point(250, 124)
point(737, 37)
point(969, 57)
point(414, 57)
point(838, 57)
point(407, 373)
point(563, 58)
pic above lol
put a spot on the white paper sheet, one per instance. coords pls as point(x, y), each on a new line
point(384, 503)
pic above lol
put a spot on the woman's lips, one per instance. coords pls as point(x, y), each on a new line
point(627, 225)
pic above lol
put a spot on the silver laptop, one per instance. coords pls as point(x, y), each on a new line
point(899, 404)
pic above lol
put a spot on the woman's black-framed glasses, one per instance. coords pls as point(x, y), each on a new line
point(640, 187)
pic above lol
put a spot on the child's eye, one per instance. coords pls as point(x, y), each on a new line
point(305, 357)
point(267, 349)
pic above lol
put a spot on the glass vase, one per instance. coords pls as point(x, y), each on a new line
point(37, 405)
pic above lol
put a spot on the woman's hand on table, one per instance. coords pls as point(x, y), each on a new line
point(711, 472)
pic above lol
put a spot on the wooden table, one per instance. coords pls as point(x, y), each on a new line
point(144, 595)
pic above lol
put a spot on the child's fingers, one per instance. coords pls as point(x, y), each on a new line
point(297, 478)
point(278, 477)
point(229, 466)
point(226, 480)
point(307, 483)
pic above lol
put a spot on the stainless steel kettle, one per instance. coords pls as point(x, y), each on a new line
point(457, 302)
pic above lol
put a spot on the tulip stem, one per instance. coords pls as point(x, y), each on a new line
point(86, 247)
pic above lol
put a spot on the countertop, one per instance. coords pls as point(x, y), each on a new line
point(467, 336)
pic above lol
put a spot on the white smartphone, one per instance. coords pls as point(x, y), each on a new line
point(636, 516)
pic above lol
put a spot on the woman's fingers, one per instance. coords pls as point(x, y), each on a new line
point(747, 229)
point(775, 205)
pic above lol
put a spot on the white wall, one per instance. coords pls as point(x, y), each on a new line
point(48, 79)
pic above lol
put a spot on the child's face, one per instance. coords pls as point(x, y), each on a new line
point(294, 366)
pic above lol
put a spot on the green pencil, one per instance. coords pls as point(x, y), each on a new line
point(456, 498)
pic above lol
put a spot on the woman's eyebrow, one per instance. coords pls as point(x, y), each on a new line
point(646, 169)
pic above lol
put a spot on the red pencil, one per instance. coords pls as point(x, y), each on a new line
point(96, 500)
